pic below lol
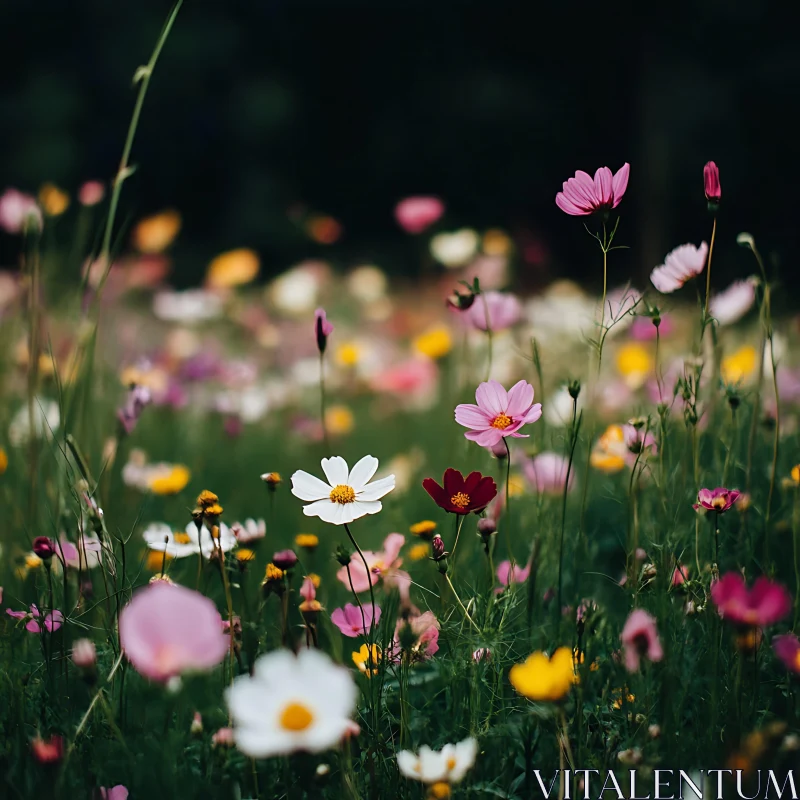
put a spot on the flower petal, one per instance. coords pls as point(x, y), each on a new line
point(362, 473)
point(335, 470)
point(308, 487)
point(376, 490)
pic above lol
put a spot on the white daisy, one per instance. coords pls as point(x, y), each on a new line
point(179, 544)
point(448, 765)
point(291, 703)
point(346, 496)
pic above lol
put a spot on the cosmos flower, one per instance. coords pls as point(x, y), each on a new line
point(250, 531)
point(36, 623)
point(787, 648)
point(415, 214)
point(638, 439)
point(347, 495)
point(446, 766)
point(156, 233)
point(19, 211)
point(502, 308)
point(381, 566)
point(166, 630)
point(291, 703)
point(680, 265)
point(733, 303)
point(719, 499)
point(91, 193)
point(544, 679)
point(353, 622)
point(118, 792)
point(189, 306)
point(498, 413)
point(48, 751)
point(581, 195)
point(459, 495)
point(418, 636)
point(763, 605)
point(640, 639)
point(547, 473)
point(189, 542)
point(455, 249)
point(84, 555)
point(507, 574)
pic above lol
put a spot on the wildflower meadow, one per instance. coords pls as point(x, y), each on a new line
point(335, 534)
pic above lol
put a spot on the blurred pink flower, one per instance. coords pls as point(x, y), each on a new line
point(52, 621)
point(382, 565)
point(711, 183)
point(118, 792)
point(582, 196)
point(787, 648)
point(507, 574)
point(547, 473)
point(498, 413)
point(680, 575)
point(48, 751)
point(322, 329)
point(719, 499)
point(732, 304)
point(91, 193)
point(18, 210)
point(166, 630)
point(637, 440)
point(482, 654)
point(84, 555)
point(504, 311)
point(643, 330)
point(640, 640)
point(249, 532)
point(680, 265)
point(414, 376)
point(84, 653)
point(425, 628)
point(415, 214)
point(223, 738)
point(351, 622)
point(765, 604)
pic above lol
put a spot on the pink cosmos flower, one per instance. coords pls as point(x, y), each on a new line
point(582, 196)
point(351, 622)
point(84, 653)
point(84, 555)
point(507, 574)
point(504, 311)
point(18, 210)
point(787, 648)
point(640, 639)
point(250, 531)
point(166, 630)
point(680, 575)
point(52, 621)
point(118, 792)
point(683, 263)
point(711, 183)
point(643, 330)
point(425, 628)
point(322, 329)
point(732, 304)
point(719, 499)
point(637, 440)
point(415, 214)
point(498, 413)
point(223, 738)
point(547, 473)
point(414, 377)
point(765, 604)
point(91, 193)
point(381, 566)
point(48, 751)
point(481, 654)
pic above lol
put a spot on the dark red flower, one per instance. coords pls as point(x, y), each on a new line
point(461, 495)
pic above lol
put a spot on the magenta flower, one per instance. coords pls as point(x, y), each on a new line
point(507, 574)
point(643, 330)
point(640, 639)
point(719, 499)
point(711, 183)
point(547, 473)
point(351, 622)
point(787, 648)
point(504, 310)
point(582, 196)
point(284, 559)
point(680, 265)
point(52, 621)
point(138, 398)
point(118, 792)
point(765, 604)
point(91, 193)
point(44, 547)
point(322, 329)
point(415, 214)
point(166, 630)
point(381, 566)
point(498, 413)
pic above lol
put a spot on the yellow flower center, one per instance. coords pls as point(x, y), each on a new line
point(439, 791)
point(296, 717)
point(245, 555)
point(451, 763)
point(797, 660)
point(502, 421)
point(181, 538)
point(343, 494)
point(718, 502)
point(460, 500)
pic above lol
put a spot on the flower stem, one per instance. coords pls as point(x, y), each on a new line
point(366, 568)
point(708, 271)
point(573, 441)
point(460, 604)
point(322, 403)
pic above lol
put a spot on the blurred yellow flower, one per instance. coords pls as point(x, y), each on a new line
point(156, 560)
point(339, 420)
point(634, 363)
point(795, 473)
point(367, 659)
point(54, 201)
point(609, 452)
point(434, 343)
point(272, 573)
point(173, 482)
point(542, 678)
point(156, 233)
point(307, 541)
point(424, 529)
point(516, 485)
point(233, 268)
point(32, 561)
point(348, 354)
point(419, 551)
point(155, 379)
point(622, 696)
point(315, 579)
point(496, 242)
point(244, 554)
point(3, 460)
point(739, 366)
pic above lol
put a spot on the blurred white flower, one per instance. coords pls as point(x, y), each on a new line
point(296, 291)
point(558, 408)
point(46, 420)
point(448, 765)
point(562, 311)
point(732, 304)
point(367, 283)
point(18, 210)
point(455, 249)
point(192, 305)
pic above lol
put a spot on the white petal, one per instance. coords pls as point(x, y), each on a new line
point(363, 507)
point(324, 509)
point(309, 487)
point(262, 742)
point(362, 473)
point(377, 489)
point(408, 764)
point(157, 532)
point(335, 470)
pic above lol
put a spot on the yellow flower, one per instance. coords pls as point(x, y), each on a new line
point(339, 420)
point(315, 579)
point(634, 363)
point(3, 461)
point(419, 551)
point(622, 696)
point(435, 343)
point(32, 561)
point(739, 366)
point(234, 268)
point(542, 678)
point(367, 659)
point(243, 554)
point(172, 483)
point(272, 573)
point(348, 354)
point(516, 486)
point(496, 243)
point(306, 540)
point(155, 234)
point(424, 529)
point(207, 498)
point(795, 473)
point(609, 453)
point(54, 201)
point(439, 791)
point(155, 560)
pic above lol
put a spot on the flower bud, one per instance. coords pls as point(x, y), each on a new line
point(284, 559)
point(438, 548)
point(486, 527)
point(574, 389)
point(712, 188)
point(196, 727)
point(461, 302)
point(44, 547)
point(84, 653)
point(272, 479)
point(322, 328)
point(342, 555)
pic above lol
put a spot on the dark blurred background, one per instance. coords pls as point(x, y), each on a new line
point(261, 109)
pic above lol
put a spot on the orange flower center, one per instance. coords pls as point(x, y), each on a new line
point(719, 502)
point(501, 421)
point(181, 538)
point(342, 494)
point(296, 717)
point(460, 500)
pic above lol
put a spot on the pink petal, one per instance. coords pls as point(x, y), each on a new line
point(602, 186)
point(472, 416)
point(520, 398)
point(492, 398)
point(620, 182)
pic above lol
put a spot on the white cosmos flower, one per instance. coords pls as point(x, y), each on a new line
point(179, 544)
point(347, 495)
point(291, 703)
point(448, 765)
